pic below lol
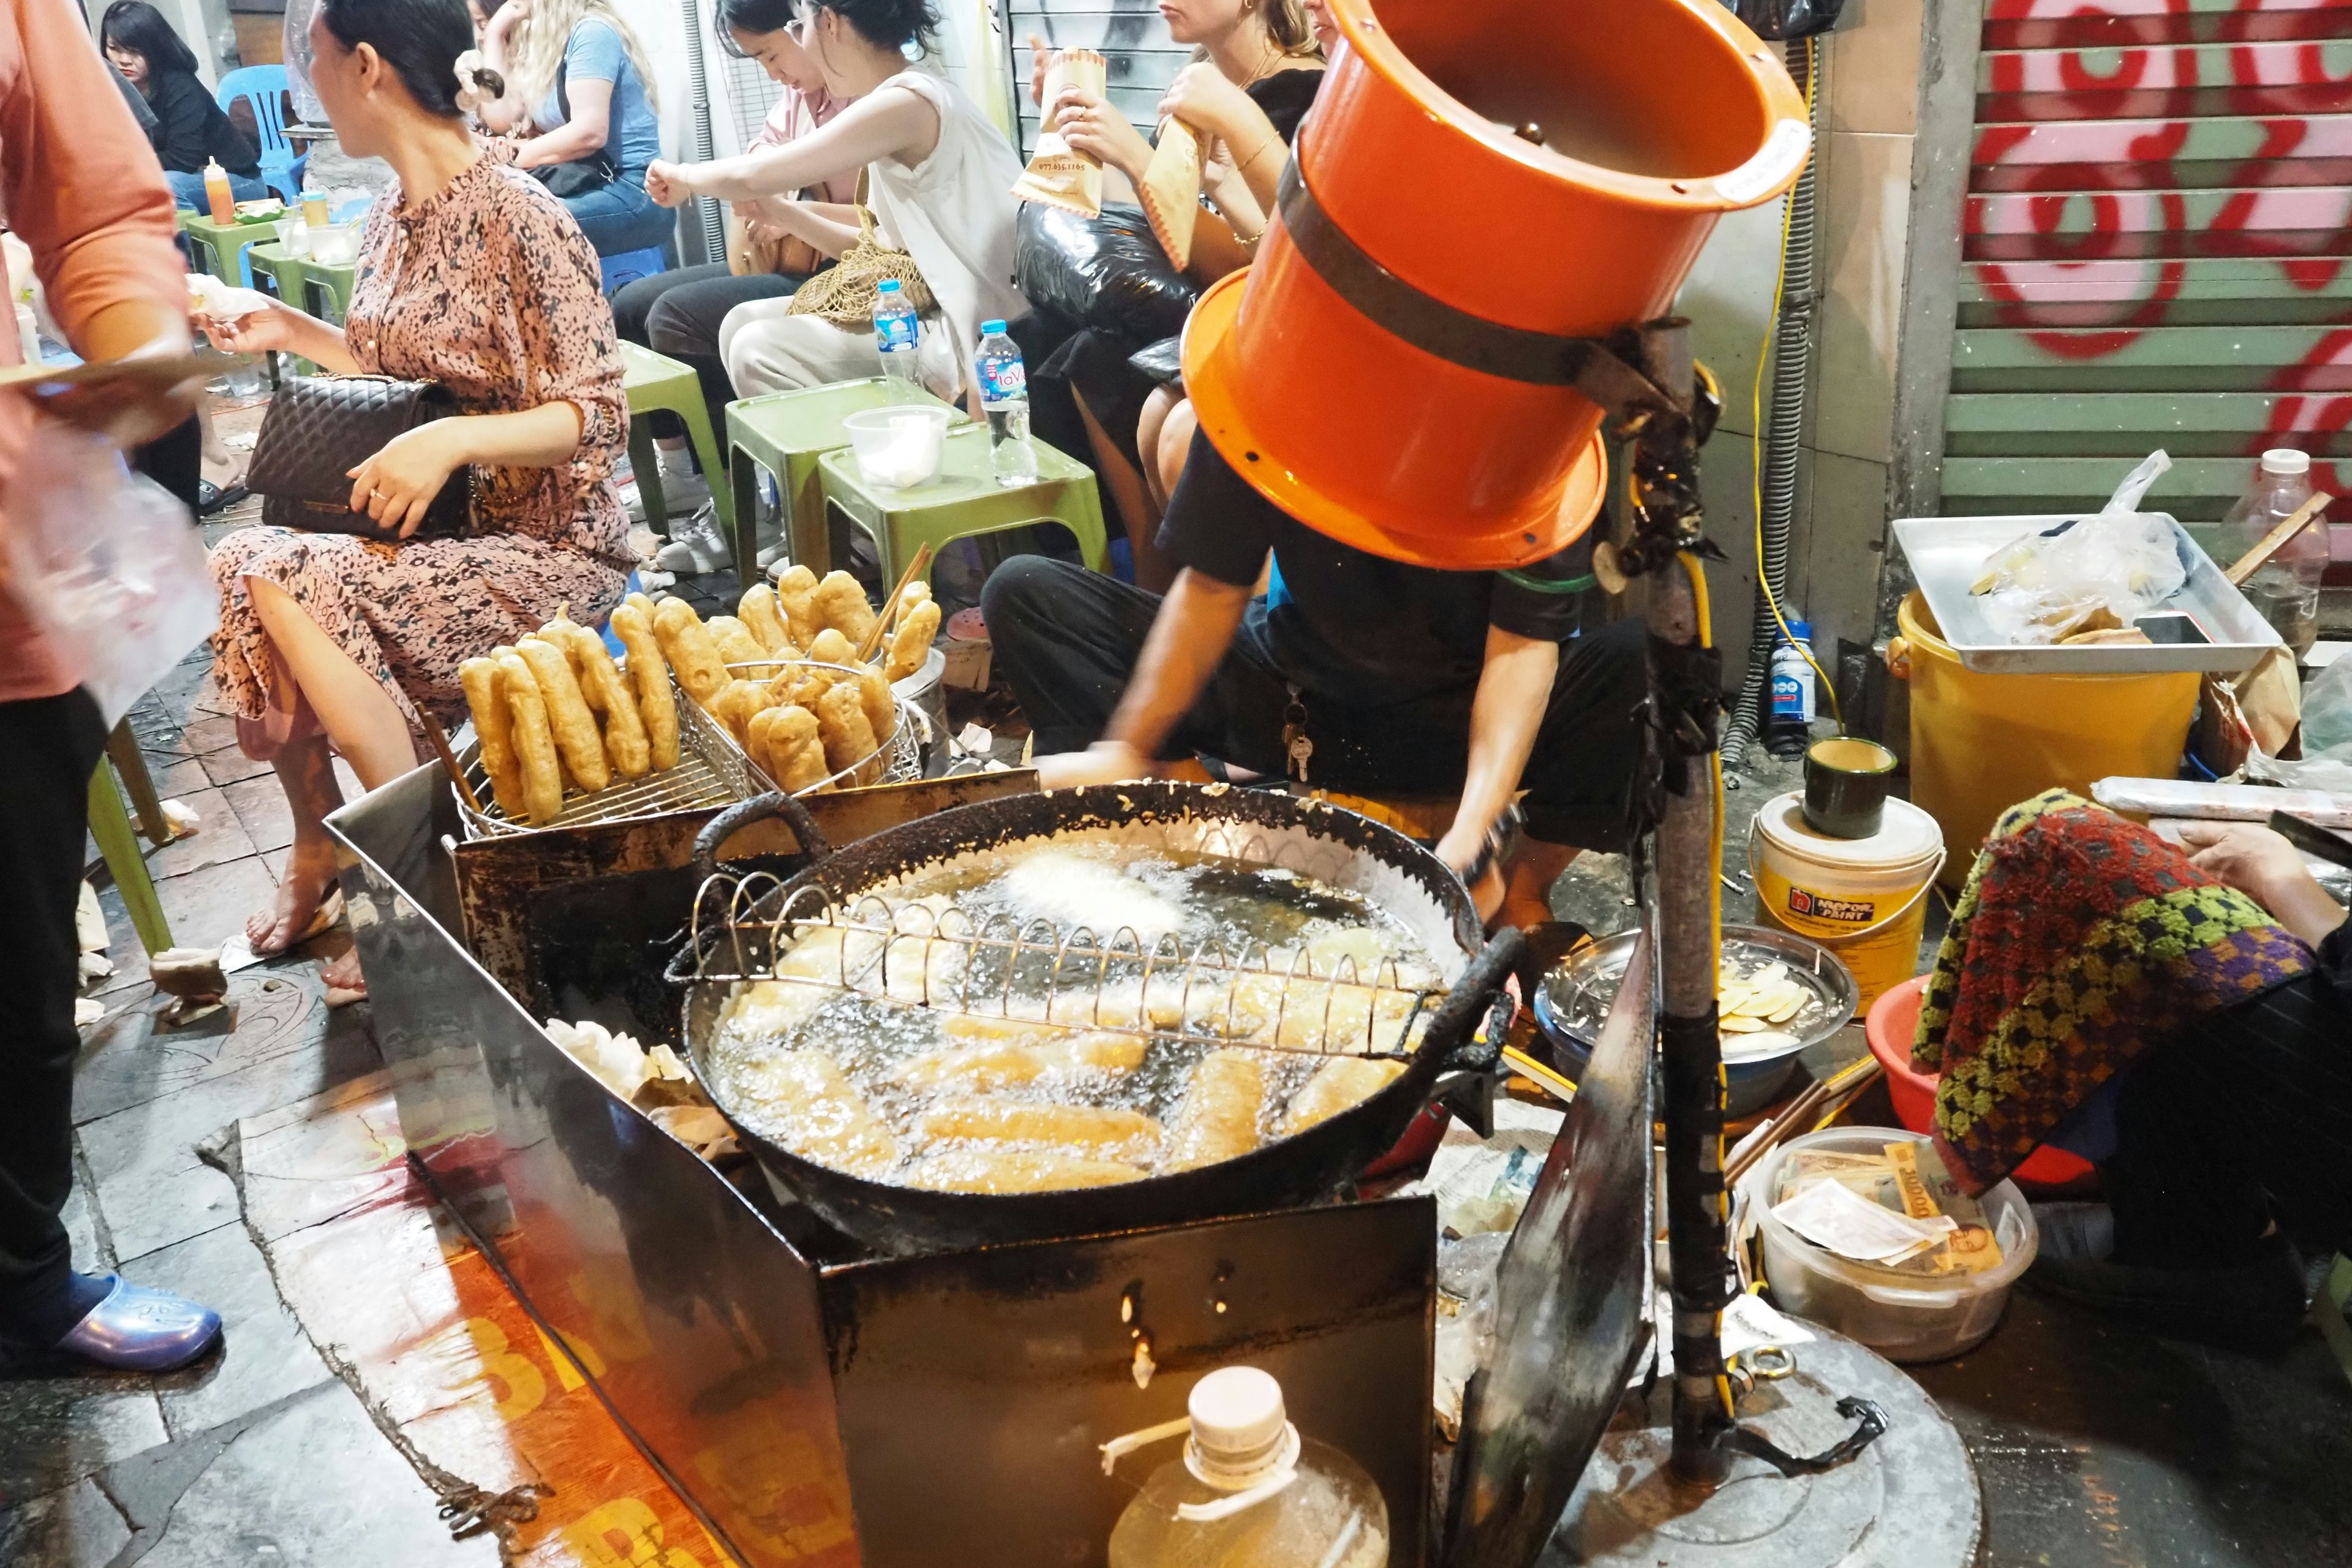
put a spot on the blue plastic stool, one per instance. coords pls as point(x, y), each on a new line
point(630, 265)
point(264, 89)
point(612, 643)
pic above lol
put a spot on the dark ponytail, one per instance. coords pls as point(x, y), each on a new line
point(753, 17)
point(888, 24)
point(420, 40)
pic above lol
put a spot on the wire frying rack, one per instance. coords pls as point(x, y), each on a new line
point(1034, 974)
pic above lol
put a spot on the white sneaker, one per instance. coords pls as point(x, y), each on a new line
point(696, 545)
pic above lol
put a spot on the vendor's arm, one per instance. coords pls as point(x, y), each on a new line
point(1514, 689)
point(280, 326)
point(895, 123)
point(2269, 869)
point(1195, 625)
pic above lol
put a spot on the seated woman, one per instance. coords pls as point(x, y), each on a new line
point(1258, 74)
point(191, 128)
point(470, 274)
point(679, 312)
point(576, 81)
point(2179, 1019)
point(939, 182)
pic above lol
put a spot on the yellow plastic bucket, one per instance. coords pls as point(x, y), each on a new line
point(1865, 900)
point(1980, 743)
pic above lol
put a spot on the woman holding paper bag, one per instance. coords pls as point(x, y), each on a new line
point(1258, 56)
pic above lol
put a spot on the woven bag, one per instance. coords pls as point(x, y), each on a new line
point(844, 293)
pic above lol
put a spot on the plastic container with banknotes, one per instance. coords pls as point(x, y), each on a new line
point(1941, 1300)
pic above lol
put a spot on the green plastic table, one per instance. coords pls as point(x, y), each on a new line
point(223, 245)
point(653, 380)
point(786, 433)
point(966, 500)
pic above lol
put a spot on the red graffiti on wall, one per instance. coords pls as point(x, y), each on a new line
point(2124, 140)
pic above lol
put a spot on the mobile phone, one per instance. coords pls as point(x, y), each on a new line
point(2172, 626)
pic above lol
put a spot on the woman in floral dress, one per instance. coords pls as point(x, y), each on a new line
point(472, 276)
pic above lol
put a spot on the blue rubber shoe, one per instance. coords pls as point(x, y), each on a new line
point(139, 1330)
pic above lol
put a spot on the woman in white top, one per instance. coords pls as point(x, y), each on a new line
point(939, 179)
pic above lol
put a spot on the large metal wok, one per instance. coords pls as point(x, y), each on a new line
point(1335, 846)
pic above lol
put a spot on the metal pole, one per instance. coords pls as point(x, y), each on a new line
point(1684, 691)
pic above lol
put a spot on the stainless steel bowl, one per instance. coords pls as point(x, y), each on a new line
point(1575, 997)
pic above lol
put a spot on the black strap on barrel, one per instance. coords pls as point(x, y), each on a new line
point(1448, 331)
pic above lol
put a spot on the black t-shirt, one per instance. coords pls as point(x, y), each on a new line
point(191, 126)
point(1353, 628)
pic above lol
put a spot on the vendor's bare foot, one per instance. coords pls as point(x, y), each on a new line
point(310, 877)
point(342, 973)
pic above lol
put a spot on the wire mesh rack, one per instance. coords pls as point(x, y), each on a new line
point(1036, 975)
point(712, 770)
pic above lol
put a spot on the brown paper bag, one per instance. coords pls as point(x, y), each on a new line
point(1057, 174)
point(1171, 190)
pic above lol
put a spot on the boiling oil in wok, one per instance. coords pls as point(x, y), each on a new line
point(984, 1068)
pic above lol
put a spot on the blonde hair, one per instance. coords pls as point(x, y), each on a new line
point(539, 43)
point(1286, 22)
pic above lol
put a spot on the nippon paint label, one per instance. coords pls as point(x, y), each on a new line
point(1822, 907)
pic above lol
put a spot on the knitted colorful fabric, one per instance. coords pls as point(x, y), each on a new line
point(2081, 939)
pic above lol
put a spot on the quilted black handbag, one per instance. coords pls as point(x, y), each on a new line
point(320, 428)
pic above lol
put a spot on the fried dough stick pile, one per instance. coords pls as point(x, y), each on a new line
point(536, 706)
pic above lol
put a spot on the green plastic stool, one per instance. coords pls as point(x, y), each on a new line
point(109, 823)
point(223, 245)
point(2334, 1301)
point(654, 382)
point(966, 500)
point(786, 433)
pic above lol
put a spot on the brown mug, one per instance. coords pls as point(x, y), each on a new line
point(1846, 780)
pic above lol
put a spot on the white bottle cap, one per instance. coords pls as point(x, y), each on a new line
point(1238, 1420)
point(2286, 461)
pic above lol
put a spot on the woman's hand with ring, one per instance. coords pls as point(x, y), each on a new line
point(1204, 97)
point(255, 332)
point(397, 485)
point(1091, 125)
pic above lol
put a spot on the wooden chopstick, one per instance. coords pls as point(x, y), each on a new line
point(449, 761)
point(921, 562)
point(1543, 1078)
point(2275, 540)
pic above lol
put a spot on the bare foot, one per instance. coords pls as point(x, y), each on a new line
point(342, 972)
point(310, 874)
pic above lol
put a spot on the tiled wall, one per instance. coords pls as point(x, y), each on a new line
point(1870, 74)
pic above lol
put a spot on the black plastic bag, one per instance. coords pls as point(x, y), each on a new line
point(1783, 19)
point(1107, 273)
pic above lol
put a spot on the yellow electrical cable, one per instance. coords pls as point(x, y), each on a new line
point(1755, 419)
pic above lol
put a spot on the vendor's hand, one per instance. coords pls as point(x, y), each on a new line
point(1204, 97)
point(666, 183)
point(1461, 847)
point(1090, 124)
point(396, 485)
point(2267, 869)
point(1104, 761)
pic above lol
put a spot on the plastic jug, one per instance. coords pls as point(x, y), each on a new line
point(1249, 1492)
point(2285, 588)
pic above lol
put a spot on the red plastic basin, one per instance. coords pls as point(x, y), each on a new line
point(1893, 1024)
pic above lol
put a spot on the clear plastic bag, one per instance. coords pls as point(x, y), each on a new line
point(2327, 714)
point(2089, 573)
point(106, 564)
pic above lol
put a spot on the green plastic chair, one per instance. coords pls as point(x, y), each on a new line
point(966, 500)
point(118, 841)
point(2329, 1311)
point(652, 382)
point(786, 433)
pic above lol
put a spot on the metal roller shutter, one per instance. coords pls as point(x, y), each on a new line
point(2157, 251)
point(1139, 57)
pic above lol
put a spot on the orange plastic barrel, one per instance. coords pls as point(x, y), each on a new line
point(1656, 117)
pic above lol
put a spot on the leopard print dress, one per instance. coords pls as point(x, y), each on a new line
point(489, 288)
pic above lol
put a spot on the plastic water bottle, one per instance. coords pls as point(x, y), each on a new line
point(1250, 1492)
point(897, 334)
point(1792, 691)
point(2285, 588)
point(1004, 395)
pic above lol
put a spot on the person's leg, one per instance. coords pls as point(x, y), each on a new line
point(187, 191)
point(767, 349)
point(176, 461)
point(1067, 640)
point(1153, 571)
point(682, 323)
point(247, 190)
point(619, 217)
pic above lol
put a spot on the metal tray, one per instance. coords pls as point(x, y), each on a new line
point(1948, 555)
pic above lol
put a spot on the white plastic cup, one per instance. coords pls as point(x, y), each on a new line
point(897, 448)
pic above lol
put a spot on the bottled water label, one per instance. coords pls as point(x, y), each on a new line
point(1002, 379)
point(894, 331)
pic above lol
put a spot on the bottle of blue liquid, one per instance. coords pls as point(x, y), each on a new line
point(1004, 397)
point(897, 334)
